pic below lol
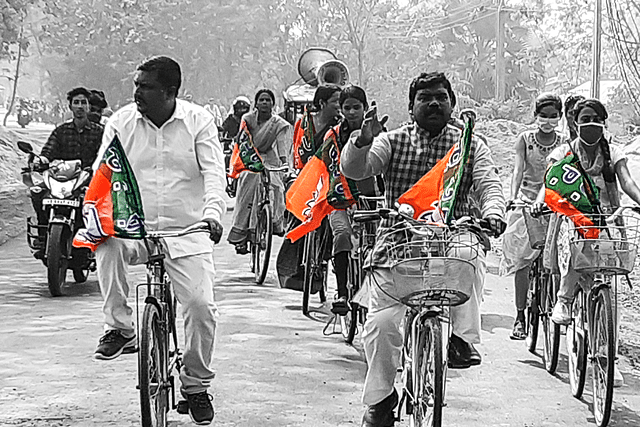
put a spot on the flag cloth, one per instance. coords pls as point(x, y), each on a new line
point(303, 144)
point(571, 192)
point(433, 198)
point(244, 157)
point(320, 188)
point(112, 205)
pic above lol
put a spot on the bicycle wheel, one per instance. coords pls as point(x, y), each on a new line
point(154, 402)
point(577, 347)
point(349, 321)
point(533, 307)
point(603, 354)
point(550, 329)
point(427, 373)
point(262, 244)
point(309, 268)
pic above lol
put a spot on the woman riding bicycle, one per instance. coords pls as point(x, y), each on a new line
point(605, 164)
point(271, 136)
point(532, 149)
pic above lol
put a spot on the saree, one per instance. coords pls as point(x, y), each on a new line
point(272, 139)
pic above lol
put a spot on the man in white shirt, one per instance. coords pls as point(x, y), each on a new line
point(172, 146)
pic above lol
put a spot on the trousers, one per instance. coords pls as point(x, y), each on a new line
point(192, 278)
point(382, 335)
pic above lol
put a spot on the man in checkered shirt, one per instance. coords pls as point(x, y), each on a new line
point(403, 156)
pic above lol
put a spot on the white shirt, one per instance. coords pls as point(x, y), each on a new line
point(179, 168)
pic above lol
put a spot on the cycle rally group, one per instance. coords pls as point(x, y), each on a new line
point(401, 220)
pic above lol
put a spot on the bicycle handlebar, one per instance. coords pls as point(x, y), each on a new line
point(283, 168)
point(529, 206)
point(198, 227)
point(621, 209)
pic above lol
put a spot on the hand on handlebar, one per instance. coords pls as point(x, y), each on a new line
point(40, 162)
point(538, 208)
point(215, 229)
point(495, 224)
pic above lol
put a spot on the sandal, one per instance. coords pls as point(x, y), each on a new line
point(242, 248)
point(518, 332)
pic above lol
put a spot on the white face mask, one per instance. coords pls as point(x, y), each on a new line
point(547, 125)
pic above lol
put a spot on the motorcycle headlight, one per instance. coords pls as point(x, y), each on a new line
point(61, 190)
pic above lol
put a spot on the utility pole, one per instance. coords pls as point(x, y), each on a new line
point(500, 71)
point(597, 47)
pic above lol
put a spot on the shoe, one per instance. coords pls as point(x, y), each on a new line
point(112, 344)
point(242, 248)
point(473, 355)
point(458, 355)
point(618, 379)
point(381, 414)
point(561, 313)
point(340, 306)
point(200, 408)
point(518, 332)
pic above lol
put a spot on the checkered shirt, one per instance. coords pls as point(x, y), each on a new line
point(68, 143)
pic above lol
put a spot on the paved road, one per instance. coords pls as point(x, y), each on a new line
point(275, 367)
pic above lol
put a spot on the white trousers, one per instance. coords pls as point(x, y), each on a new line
point(192, 278)
point(382, 335)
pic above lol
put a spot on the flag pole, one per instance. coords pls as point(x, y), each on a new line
point(597, 51)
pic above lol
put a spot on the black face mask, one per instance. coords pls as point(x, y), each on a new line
point(590, 133)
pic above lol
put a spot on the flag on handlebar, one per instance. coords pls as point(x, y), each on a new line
point(244, 157)
point(112, 204)
point(303, 144)
point(571, 192)
point(320, 188)
point(434, 196)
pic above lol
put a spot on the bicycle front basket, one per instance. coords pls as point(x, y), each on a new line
point(611, 248)
point(431, 264)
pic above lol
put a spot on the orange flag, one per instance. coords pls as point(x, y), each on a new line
point(244, 156)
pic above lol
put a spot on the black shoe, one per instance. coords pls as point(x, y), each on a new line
point(340, 307)
point(200, 408)
point(242, 248)
point(381, 414)
point(474, 355)
point(113, 344)
point(458, 353)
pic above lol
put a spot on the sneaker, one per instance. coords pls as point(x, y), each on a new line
point(113, 344)
point(618, 379)
point(561, 313)
point(200, 408)
point(340, 306)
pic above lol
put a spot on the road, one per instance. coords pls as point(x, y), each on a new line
point(275, 367)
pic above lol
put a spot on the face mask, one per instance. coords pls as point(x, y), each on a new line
point(547, 125)
point(590, 133)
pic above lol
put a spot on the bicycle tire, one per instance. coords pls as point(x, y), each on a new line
point(154, 400)
point(351, 318)
point(533, 306)
point(428, 373)
point(551, 348)
point(577, 347)
point(262, 245)
point(603, 364)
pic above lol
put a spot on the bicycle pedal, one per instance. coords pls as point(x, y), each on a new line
point(182, 407)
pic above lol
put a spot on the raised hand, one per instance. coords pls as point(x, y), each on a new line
point(371, 126)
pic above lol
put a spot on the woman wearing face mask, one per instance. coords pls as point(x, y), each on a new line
point(607, 165)
point(532, 149)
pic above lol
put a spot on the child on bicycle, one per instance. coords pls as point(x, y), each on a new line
point(532, 148)
point(598, 162)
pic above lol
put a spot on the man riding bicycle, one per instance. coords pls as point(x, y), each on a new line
point(172, 146)
point(404, 155)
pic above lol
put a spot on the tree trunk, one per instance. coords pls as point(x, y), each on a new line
point(15, 80)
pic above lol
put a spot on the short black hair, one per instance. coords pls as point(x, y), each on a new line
point(98, 99)
point(323, 93)
point(268, 92)
point(593, 103)
point(548, 99)
point(78, 91)
point(355, 92)
point(570, 102)
point(168, 71)
point(425, 80)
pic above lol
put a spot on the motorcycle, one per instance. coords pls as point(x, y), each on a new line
point(24, 116)
point(64, 183)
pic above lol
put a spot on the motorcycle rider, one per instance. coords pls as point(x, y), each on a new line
point(78, 138)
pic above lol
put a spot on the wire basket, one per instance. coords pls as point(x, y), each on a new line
point(536, 229)
point(430, 264)
point(603, 248)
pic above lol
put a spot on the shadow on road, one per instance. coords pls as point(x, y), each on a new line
point(493, 321)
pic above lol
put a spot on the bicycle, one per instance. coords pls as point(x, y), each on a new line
point(260, 246)
point(541, 296)
point(423, 259)
point(591, 335)
point(315, 265)
point(159, 353)
point(364, 233)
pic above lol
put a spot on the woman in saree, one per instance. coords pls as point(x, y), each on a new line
point(271, 136)
point(590, 147)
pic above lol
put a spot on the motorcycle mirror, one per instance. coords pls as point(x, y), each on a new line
point(25, 147)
